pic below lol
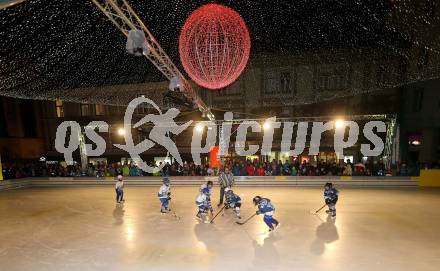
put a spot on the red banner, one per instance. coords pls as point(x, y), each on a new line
point(214, 159)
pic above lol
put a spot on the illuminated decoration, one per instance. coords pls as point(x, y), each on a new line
point(70, 51)
point(214, 46)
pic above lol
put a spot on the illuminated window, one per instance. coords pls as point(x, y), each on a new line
point(278, 82)
point(99, 109)
point(85, 110)
point(59, 108)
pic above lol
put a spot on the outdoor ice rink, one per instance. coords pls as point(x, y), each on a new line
point(83, 229)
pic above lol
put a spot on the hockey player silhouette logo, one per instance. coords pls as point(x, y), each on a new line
point(163, 125)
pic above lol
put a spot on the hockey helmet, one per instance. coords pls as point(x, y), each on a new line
point(256, 200)
point(205, 191)
point(328, 185)
point(166, 181)
point(120, 177)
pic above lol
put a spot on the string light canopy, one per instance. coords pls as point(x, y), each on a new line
point(214, 46)
point(68, 50)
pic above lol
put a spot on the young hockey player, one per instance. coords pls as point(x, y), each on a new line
point(119, 188)
point(203, 202)
point(331, 197)
point(209, 186)
point(164, 195)
point(233, 201)
point(265, 207)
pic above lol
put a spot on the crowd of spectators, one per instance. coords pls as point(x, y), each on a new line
point(304, 168)
point(238, 167)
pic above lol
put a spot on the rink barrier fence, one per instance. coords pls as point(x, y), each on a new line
point(430, 177)
point(15, 184)
point(254, 181)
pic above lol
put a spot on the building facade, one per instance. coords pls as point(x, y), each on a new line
point(302, 88)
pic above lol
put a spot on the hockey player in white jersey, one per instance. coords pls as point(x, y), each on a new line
point(207, 185)
point(203, 203)
point(164, 195)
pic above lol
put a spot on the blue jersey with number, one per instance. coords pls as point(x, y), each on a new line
point(265, 206)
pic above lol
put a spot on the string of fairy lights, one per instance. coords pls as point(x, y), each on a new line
point(50, 48)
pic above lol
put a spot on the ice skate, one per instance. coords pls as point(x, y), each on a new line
point(199, 216)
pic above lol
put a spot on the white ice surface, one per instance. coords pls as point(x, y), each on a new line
point(83, 229)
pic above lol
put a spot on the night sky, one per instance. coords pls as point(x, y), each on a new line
point(63, 44)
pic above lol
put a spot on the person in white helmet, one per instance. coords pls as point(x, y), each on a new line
point(164, 195)
point(119, 187)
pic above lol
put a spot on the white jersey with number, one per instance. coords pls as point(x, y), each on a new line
point(202, 200)
point(163, 191)
point(119, 185)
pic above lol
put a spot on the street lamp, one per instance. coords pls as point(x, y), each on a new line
point(339, 123)
point(121, 131)
point(266, 125)
point(199, 127)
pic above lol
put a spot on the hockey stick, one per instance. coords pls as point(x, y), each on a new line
point(317, 211)
point(212, 220)
point(242, 223)
point(174, 213)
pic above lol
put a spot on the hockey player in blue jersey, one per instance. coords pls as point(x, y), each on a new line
point(233, 201)
point(164, 195)
point(265, 207)
point(203, 203)
point(331, 195)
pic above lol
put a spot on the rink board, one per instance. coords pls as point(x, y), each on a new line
point(430, 177)
point(15, 184)
point(275, 181)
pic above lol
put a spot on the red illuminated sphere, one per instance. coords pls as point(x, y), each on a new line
point(214, 46)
